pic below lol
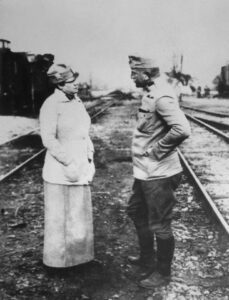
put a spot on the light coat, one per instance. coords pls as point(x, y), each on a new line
point(64, 126)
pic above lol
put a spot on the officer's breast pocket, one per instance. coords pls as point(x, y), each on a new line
point(146, 121)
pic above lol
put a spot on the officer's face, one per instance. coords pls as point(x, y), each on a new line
point(139, 77)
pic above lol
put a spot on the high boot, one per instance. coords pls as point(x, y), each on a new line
point(146, 246)
point(146, 260)
point(165, 252)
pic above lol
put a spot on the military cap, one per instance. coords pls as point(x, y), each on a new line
point(137, 62)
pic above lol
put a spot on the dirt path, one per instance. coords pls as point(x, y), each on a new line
point(201, 260)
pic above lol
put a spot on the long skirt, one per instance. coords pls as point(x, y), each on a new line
point(68, 229)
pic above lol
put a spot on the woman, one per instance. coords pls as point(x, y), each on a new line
point(67, 172)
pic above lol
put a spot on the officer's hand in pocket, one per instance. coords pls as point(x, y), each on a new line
point(149, 153)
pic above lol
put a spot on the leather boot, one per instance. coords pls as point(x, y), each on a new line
point(154, 280)
point(146, 245)
point(146, 260)
point(165, 251)
point(141, 260)
point(144, 265)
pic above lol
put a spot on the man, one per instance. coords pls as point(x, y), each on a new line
point(161, 127)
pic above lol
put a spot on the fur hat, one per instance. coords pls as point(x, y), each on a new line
point(60, 73)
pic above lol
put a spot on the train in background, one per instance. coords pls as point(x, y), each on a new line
point(221, 82)
point(24, 84)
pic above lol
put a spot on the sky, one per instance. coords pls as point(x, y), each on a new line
point(95, 37)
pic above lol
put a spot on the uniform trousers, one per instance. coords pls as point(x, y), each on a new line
point(151, 203)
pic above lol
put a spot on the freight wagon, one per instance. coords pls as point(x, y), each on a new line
point(24, 84)
point(222, 82)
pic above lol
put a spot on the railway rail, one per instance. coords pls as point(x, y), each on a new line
point(18, 137)
point(209, 127)
point(215, 119)
point(200, 268)
point(205, 156)
point(216, 114)
point(19, 151)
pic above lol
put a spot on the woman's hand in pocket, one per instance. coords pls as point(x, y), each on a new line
point(72, 172)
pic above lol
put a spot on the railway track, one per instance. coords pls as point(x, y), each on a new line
point(205, 156)
point(200, 269)
point(215, 119)
point(22, 150)
point(207, 112)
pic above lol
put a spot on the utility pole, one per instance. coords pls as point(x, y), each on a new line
point(181, 63)
point(90, 80)
point(174, 62)
point(181, 68)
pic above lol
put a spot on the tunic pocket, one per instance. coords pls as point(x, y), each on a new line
point(145, 121)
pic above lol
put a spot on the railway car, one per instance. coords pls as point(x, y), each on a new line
point(24, 84)
point(85, 92)
point(222, 82)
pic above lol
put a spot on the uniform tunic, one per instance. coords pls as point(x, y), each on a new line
point(68, 234)
point(161, 127)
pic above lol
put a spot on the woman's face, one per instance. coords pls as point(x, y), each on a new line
point(71, 87)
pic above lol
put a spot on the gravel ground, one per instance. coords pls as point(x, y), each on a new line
point(219, 105)
point(200, 269)
point(12, 126)
point(208, 156)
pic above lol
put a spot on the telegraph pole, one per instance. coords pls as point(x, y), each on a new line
point(181, 68)
point(181, 63)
